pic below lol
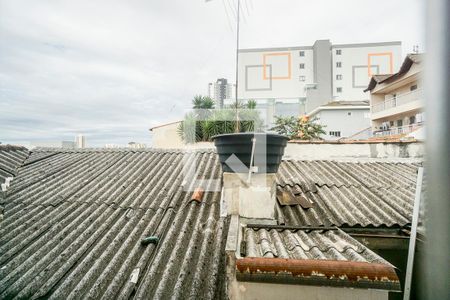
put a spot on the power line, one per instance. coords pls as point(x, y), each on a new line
point(247, 7)
point(241, 12)
point(228, 16)
point(232, 8)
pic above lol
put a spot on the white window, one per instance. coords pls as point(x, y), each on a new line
point(302, 78)
point(338, 64)
point(339, 89)
point(338, 51)
point(301, 66)
point(301, 53)
point(335, 133)
point(338, 77)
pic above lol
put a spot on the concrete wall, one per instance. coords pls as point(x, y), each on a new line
point(166, 137)
point(306, 150)
point(347, 121)
point(257, 290)
point(354, 150)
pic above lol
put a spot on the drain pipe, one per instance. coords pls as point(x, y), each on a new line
point(252, 158)
point(412, 237)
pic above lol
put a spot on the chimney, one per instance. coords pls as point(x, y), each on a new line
point(250, 162)
point(250, 200)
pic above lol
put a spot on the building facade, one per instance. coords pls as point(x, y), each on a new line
point(396, 100)
point(80, 141)
point(314, 75)
point(342, 119)
point(221, 90)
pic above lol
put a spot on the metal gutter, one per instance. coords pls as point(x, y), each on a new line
point(318, 272)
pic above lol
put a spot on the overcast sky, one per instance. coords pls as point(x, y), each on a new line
point(113, 69)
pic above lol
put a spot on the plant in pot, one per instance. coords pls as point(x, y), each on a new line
point(235, 130)
point(250, 149)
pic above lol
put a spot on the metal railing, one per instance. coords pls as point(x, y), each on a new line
point(398, 130)
point(397, 101)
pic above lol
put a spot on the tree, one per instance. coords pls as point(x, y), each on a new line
point(202, 102)
point(302, 128)
point(251, 104)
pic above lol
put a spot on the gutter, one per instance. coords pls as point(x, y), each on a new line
point(318, 272)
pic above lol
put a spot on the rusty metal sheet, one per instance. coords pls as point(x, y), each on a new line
point(287, 197)
point(328, 269)
point(198, 194)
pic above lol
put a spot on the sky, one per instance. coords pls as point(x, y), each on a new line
point(113, 69)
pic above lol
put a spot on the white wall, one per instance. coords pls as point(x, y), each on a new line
point(290, 87)
point(351, 55)
point(354, 150)
point(257, 290)
point(353, 89)
point(340, 120)
point(166, 137)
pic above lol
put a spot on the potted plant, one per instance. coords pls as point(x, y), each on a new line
point(249, 147)
point(252, 149)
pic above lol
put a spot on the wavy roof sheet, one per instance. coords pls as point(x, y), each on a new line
point(74, 221)
point(347, 193)
point(328, 257)
point(307, 244)
point(11, 157)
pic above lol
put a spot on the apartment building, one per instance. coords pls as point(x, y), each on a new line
point(221, 90)
point(396, 100)
point(312, 76)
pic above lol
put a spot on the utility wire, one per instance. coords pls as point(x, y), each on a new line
point(228, 16)
point(241, 12)
point(232, 8)
point(247, 7)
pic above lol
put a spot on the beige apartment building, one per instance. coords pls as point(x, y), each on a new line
point(396, 100)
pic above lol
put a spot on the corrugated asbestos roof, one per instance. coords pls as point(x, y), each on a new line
point(11, 157)
point(329, 257)
point(74, 221)
point(307, 244)
point(368, 194)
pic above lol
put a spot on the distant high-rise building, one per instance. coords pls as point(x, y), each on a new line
point(220, 90)
point(80, 141)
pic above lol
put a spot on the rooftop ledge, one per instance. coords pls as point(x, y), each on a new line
point(377, 141)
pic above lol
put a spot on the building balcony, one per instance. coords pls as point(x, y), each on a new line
point(400, 130)
point(398, 104)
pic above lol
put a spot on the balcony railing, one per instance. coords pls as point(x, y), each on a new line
point(398, 130)
point(397, 101)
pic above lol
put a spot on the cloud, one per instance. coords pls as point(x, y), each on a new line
point(113, 69)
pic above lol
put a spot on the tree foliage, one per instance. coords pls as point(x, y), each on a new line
point(202, 102)
point(302, 128)
point(205, 122)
